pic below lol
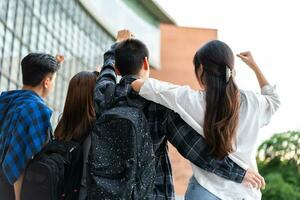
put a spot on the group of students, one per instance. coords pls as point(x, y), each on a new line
point(124, 128)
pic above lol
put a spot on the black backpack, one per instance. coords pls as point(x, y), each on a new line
point(55, 172)
point(121, 163)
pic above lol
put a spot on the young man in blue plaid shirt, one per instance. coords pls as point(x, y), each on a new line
point(131, 60)
point(25, 121)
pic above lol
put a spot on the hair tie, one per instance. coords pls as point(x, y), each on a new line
point(229, 73)
point(59, 58)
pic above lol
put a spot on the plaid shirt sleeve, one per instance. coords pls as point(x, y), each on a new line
point(193, 147)
point(106, 77)
point(29, 130)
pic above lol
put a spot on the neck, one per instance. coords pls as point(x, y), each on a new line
point(202, 88)
point(141, 76)
point(38, 90)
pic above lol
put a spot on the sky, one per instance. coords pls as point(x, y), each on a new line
point(270, 30)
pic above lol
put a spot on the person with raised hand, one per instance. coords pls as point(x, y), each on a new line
point(25, 120)
point(228, 118)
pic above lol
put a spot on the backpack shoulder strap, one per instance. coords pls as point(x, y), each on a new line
point(111, 100)
point(50, 134)
point(109, 95)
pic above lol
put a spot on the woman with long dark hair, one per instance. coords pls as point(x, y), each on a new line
point(229, 118)
point(79, 116)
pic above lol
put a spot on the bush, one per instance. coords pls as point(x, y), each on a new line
point(278, 161)
point(278, 188)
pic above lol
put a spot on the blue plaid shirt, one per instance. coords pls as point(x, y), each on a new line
point(24, 126)
point(165, 125)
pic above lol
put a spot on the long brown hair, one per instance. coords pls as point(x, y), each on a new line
point(222, 96)
point(79, 114)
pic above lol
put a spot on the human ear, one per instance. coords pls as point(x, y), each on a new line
point(199, 75)
point(117, 71)
point(46, 82)
point(146, 65)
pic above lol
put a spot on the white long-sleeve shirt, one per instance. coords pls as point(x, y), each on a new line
point(255, 112)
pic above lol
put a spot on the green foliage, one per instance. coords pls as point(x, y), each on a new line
point(278, 161)
point(278, 188)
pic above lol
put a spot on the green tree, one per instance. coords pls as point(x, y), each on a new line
point(279, 162)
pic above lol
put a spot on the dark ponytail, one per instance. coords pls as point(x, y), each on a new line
point(222, 96)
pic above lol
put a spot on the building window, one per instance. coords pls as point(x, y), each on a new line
point(54, 27)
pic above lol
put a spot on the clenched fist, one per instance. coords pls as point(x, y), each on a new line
point(124, 34)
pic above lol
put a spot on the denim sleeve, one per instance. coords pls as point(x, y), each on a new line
point(192, 146)
point(106, 77)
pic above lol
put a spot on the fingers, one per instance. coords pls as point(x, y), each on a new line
point(251, 183)
point(262, 180)
point(258, 183)
point(243, 58)
point(124, 34)
point(124, 31)
point(59, 58)
point(97, 68)
point(240, 56)
point(245, 53)
point(253, 180)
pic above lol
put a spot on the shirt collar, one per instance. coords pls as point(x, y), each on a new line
point(128, 79)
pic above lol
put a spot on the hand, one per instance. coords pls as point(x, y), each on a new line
point(59, 58)
point(253, 180)
point(137, 85)
point(97, 69)
point(247, 58)
point(124, 34)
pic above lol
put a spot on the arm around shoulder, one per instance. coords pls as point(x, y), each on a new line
point(192, 146)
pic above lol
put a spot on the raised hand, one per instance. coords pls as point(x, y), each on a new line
point(124, 34)
point(247, 58)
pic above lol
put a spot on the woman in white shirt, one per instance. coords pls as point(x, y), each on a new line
point(229, 118)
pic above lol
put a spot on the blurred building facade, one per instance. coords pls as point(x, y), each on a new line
point(50, 26)
point(82, 30)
